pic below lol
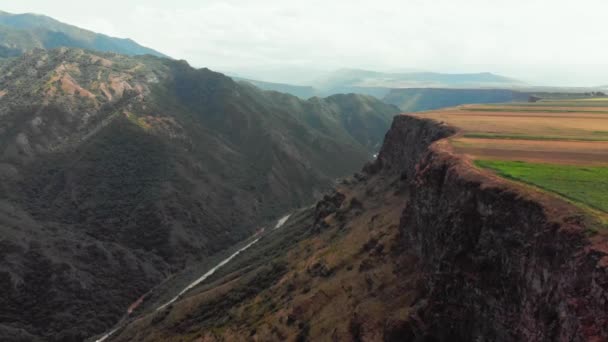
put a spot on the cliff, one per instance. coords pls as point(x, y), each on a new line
point(501, 262)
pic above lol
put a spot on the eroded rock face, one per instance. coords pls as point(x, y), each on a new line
point(501, 264)
point(499, 268)
point(405, 143)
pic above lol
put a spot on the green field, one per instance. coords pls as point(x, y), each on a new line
point(583, 185)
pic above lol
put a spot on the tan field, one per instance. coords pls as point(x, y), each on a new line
point(558, 152)
point(552, 134)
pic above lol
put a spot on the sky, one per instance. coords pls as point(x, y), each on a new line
point(542, 42)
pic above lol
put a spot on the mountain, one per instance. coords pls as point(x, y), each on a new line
point(420, 99)
point(419, 246)
point(380, 84)
point(117, 172)
point(366, 81)
point(367, 78)
point(24, 32)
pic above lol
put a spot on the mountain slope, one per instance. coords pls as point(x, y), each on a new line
point(119, 171)
point(23, 32)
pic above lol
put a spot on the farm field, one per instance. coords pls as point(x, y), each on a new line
point(587, 185)
point(524, 125)
point(565, 103)
point(559, 146)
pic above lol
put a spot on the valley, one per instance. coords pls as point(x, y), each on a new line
point(117, 172)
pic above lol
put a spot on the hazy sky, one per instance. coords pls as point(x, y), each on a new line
point(548, 42)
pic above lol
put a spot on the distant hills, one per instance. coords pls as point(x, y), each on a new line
point(351, 78)
point(379, 84)
point(419, 91)
point(419, 99)
point(24, 32)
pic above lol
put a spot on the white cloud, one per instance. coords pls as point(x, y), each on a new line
point(543, 41)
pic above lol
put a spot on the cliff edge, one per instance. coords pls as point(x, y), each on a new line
point(502, 261)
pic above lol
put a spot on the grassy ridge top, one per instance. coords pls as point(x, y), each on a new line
point(582, 184)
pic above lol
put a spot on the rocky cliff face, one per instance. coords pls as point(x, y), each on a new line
point(405, 143)
point(500, 262)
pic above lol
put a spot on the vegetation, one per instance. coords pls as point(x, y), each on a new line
point(154, 165)
point(581, 184)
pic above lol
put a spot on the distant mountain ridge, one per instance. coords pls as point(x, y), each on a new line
point(367, 78)
point(23, 32)
point(379, 84)
point(420, 99)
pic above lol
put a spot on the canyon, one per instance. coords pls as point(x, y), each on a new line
point(143, 199)
point(420, 245)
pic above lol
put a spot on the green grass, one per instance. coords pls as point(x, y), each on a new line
point(581, 184)
point(594, 136)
